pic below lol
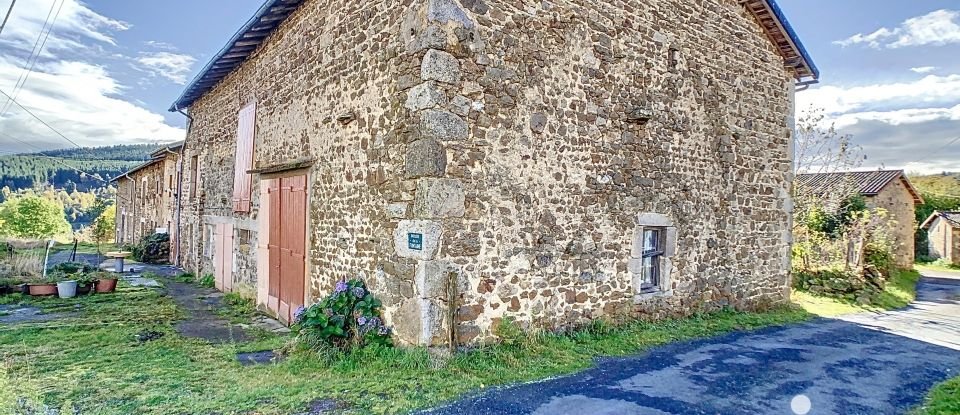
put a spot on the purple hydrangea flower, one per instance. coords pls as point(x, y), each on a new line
point(341, 287)
point(362, 320)
point(359, 292)
point(297, 315)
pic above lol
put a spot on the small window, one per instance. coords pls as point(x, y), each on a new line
point(653, 249)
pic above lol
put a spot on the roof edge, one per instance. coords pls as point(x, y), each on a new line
point(785, 38)
point(184, 100)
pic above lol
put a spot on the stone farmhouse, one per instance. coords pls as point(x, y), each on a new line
point(943, 234)
point(886, 189)
point(147, 197)
point(475, 160)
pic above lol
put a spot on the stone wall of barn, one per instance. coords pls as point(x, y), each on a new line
point(516, 151)
point(897, 200)
point(565, 124)
point(146, 206)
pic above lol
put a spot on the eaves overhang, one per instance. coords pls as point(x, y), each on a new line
point(784, 38)
point(253, 33)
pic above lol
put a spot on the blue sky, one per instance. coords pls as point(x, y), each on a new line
point(890, 71)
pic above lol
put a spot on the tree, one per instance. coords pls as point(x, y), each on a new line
point(103, 227)
point(820, 148)
point(33, 217)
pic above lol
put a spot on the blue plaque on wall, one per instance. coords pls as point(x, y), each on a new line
point(415, 241)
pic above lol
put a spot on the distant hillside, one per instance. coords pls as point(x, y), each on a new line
point(43, 169)
point(945, 184)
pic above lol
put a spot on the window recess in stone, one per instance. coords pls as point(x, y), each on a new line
point(653, 241)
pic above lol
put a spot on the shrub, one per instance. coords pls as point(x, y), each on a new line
point(208, 281)
point(72, 267)
point(153, 249)
point(347, 319)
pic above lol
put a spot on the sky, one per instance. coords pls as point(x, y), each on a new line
point(108, 71)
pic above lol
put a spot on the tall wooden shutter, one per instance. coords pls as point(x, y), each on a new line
point(242, 180)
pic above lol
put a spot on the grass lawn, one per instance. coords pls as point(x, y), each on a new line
point(938, 267)
point(900, 291)
point(943, 399)
point(94, 363)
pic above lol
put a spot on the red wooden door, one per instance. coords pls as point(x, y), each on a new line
point(287, 245)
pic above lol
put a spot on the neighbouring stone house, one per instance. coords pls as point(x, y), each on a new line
point(475, 160)
point(147, 197)
point(887, 189)
point(943, 235)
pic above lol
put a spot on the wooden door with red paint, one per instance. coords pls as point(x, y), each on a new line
point(287, 246)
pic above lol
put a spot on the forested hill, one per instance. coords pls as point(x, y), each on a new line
point(53, 168)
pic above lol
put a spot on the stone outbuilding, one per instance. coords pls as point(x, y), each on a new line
point(476, 160)
point(890, 190)
point(147, 197)
point(943, 235)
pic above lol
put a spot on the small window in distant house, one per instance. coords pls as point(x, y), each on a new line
point(653, 242)
point(194, 176)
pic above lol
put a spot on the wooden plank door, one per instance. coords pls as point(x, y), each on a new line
point(227, 244)
point(293, 216)
point(218, 256)
point(223, 256)
point(273, 245)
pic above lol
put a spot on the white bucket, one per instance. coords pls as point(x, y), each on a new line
point(67, 289)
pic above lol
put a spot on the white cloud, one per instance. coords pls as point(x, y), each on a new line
point(927, 91)
point(939, 27)
point(75, 22)
point(80, 100)
point(900, 117)
point(923, 69)
point(173, 66)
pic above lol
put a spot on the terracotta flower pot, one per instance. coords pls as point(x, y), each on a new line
point(43, 289)
point(106, 285)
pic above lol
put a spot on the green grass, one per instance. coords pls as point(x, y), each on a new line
point(900, 291)
point(938, 266)
point(943, 399)
point(94, 364)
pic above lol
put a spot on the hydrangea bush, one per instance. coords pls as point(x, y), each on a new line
point(348, 318)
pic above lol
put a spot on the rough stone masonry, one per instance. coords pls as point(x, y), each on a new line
point(478, 160)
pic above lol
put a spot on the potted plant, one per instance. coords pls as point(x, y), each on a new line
point(67, 286)
point(9, 286)
point(106, 282)
point(85, 283)
point(44, 286)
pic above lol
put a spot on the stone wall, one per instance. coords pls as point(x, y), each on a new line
point(899, 203)
point(525, 145)
point(145, 200)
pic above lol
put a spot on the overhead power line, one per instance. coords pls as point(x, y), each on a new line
point(35, 53)
point(937, 150)
point(7, 17)
point(41, 120)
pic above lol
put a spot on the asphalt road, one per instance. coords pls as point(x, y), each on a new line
point(871, 363)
